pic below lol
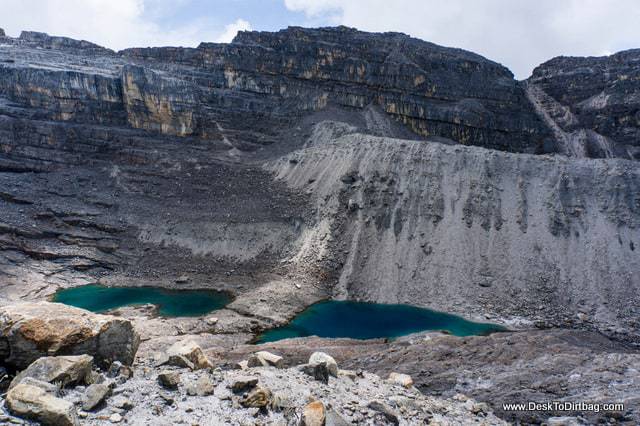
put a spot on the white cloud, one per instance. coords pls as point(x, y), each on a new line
point(117, 24)
point(232, 29)
point(519, 34)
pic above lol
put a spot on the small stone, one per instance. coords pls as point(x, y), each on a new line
point(348, 178)
point(242, 365)
point(117, 369)
point(122, 403)
point(115, 418)
point(166, 397)
point(313, 414)
point(385, 410)
point(182, 279)
point(224, 394)
point(401, 379)
point(95, 395)
point(335, 419)
point(243, 383)
point(259, 397)
point(212, 320)
point(169, 379)
point(319, 357)
point(201, 387)
point(348, 373)
point(480, 407)
point(95, 377)
point(321, 372)
point(265, 359)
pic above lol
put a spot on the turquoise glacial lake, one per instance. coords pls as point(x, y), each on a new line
point(359, 320)
point(171, 303)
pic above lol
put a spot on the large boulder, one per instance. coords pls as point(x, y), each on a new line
point(33, 402)
point(31, 330)
point(65, 370)
point(187, 354)
point(321, 357)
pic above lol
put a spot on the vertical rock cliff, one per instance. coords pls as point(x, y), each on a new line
point(593, 104)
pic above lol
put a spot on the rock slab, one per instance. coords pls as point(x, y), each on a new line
point(32, 330)
point(34, 403)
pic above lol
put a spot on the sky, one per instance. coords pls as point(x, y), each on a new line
point(520, 34)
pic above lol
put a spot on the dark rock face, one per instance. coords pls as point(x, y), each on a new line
point(52, 42)
point(262, 80)
point(597, 99)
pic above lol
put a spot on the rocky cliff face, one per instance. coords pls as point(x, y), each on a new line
point(261, 80)
point(592, 103)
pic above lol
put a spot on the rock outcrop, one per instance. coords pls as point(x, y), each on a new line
point(32, 330)
point(592, 103)
point(268, 78)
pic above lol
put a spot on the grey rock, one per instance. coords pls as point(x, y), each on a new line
point(117, 369)
point(187, 354)
point(169, 379)
point(243, 383)
point(321, 357)
point(64, 370)
point(385, 410)
point(121, 402)
point(35, 403)
point(335, 419)
point(265, 359)
point(95, 394)
point(167, 398)
point(182, 279)
point(401, 379)
point(203, 386)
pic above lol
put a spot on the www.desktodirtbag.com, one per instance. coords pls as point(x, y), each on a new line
point(593, 407)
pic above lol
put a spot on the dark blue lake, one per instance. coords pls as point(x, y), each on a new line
point(171, 303)
point(371, 320)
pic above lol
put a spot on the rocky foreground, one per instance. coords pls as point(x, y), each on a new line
point(182, 386)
